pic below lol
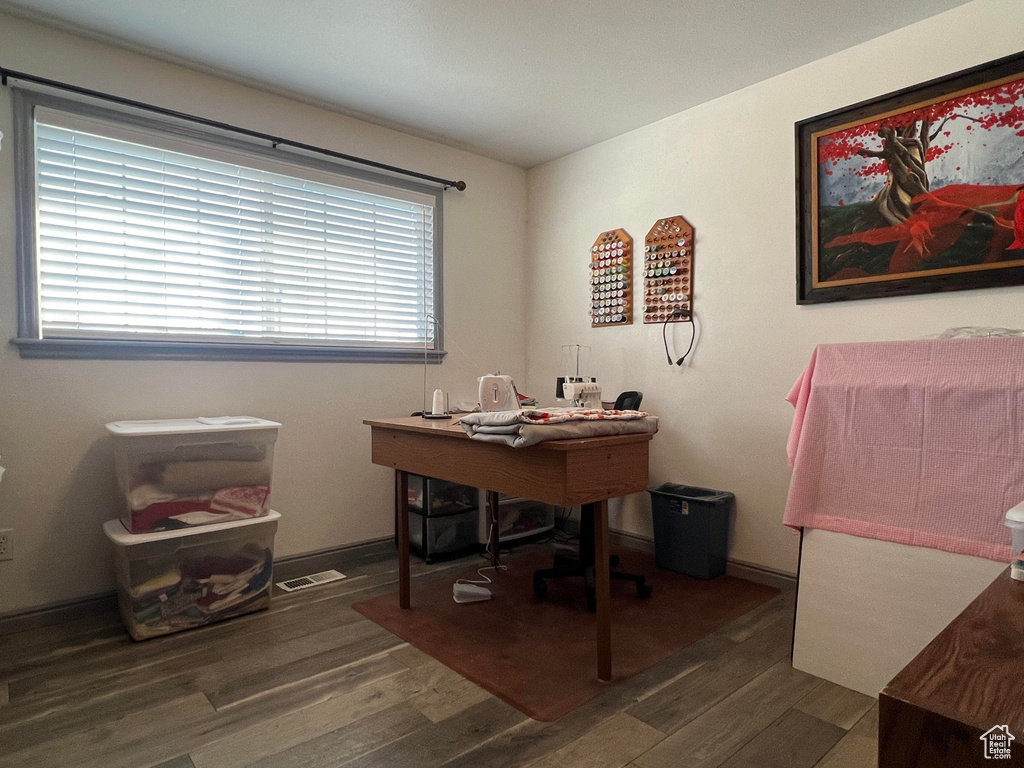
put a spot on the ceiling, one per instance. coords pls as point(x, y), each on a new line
point(523, 81)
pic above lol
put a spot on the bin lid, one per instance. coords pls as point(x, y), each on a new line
point(691, 492)
point(1015, 515)
point(149, 427)
point(121, 536)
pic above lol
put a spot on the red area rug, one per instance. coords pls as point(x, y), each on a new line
point(540, 655)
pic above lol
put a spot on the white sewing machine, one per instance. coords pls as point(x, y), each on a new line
point(584, 394)
point(498, 393)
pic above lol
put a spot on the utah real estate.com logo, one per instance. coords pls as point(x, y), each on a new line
point(997, 742)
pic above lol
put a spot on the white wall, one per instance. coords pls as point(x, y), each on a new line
point(59, 487)
point(728, 167)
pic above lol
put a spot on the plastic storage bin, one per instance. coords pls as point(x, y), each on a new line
point(520, 518)
point(175, 580)
point(442, 497)
point(691, 529)
point(443, 534)
point(178, 473)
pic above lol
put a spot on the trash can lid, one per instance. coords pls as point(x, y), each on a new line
point(117, 533)
point(150, 427)
point(691, 492)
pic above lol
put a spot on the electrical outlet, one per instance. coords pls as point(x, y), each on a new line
point(6, 544)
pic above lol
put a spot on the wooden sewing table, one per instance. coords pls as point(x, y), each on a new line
point(584, 471)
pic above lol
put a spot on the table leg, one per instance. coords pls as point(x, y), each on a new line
point(402, 491)
point(493, 515)
point(601, 578)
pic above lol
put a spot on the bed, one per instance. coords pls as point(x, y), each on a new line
point(906, 456)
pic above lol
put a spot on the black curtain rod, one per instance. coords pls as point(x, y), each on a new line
point(275, 141)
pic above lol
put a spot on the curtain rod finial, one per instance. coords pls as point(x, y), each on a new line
point(460, 185)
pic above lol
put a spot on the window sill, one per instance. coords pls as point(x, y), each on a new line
point(104, 349)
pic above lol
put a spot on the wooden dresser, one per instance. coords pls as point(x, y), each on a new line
point(966, 681)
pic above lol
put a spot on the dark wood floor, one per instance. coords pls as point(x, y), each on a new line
point(312, 683)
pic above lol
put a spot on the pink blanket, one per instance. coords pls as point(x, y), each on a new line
point(916, 442)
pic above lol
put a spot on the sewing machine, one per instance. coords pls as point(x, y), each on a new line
point(583, 394)
point(498, 393)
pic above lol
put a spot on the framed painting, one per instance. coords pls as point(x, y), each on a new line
point(918, 191)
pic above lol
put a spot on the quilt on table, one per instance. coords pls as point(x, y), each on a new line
point(522, 428)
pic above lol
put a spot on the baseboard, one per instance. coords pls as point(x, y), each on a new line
point(338, 558)
point(285, 568)
point(631, 541)
point(760, 574)
point(58, 613)
point(737, 568)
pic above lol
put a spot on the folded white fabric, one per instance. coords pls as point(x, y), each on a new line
point(190, 476)
point(522, 428)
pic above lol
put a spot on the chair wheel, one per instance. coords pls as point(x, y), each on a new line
point(540, 587)
point(644, 590)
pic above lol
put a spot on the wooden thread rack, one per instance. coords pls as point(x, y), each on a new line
point(611, 279)
point(668, 271)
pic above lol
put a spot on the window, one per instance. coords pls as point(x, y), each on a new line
point(139, 238)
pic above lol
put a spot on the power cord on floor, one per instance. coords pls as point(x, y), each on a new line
point(487, 553)
point(558, 533)
point(483, 578)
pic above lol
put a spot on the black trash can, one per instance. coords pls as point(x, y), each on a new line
point(691, 529)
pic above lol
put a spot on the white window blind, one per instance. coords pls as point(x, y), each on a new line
point(142, 242)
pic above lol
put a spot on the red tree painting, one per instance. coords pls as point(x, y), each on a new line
point(911, 140)
point(934, 188)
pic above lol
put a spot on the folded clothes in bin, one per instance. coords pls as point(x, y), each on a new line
point(182, 476)
point(170, 581)
point(155, 509)
point(179, 473)
point(204, 591)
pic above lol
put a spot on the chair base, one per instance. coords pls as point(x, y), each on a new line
point(540, 586)
point(570, 563)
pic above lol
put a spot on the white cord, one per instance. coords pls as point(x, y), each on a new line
point(454, 342)
point(483, 578)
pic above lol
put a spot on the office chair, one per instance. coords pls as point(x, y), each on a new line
point(629, 401)
point(569, 562)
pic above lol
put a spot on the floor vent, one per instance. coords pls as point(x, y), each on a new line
point(312, 580)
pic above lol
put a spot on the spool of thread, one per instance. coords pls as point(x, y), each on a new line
point(438, 408)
